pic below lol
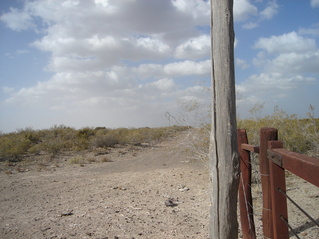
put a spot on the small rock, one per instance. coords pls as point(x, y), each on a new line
point(45, 229)
point(68, 213)
point(171, 202)
point(183, 188)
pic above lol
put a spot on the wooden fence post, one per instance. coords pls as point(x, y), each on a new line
point(244, 191)
point(223, 152)
point(266, 134)
point(278, 199)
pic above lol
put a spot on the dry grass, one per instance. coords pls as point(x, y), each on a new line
point(300, 135)
point(59, 139)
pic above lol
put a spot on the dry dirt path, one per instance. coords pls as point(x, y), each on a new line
point(155, 192)
point(120, 199)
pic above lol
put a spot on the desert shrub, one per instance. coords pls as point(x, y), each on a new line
point(164, 132)
point(58, 139)
point(30, 134)
point(132, 136)
point(136, 136)
point(36, 149)
point(197, 142)
point(104, 141)
point(120, 135)
point(160, 133)
point(99, 128)
point(82, 138)
point(104, 159)
point(299, 135)
point(109, 137)
point(13, 146)
point(85, 133)
point(80, 144)
point(54, 146)
point(100, 131)
point(77, 160)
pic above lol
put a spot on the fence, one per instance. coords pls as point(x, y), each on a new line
point(273, 161)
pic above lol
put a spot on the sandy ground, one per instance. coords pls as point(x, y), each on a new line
point(155, 192)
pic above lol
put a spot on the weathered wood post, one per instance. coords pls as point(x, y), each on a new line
point(224, 160)
point(244, 190)
point(266, 134)
point(278, 200)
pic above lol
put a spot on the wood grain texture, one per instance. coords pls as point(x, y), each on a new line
point(224, 160)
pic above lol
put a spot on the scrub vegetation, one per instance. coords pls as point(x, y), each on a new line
point(300, 135)
point(59, 139)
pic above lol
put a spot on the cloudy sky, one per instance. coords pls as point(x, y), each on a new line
point(125, 63)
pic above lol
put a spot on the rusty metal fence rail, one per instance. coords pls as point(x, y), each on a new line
point(273, 161)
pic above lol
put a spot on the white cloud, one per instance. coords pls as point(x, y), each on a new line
point(97, 43)
point(155, 71)
point(241, 63)
point(288, 66)
point(193, 48)
point(274, 89)
point(110, 59)
point(104, 3)
point(145, 71)
point(309, 31)
point(144, 92)
point(290, 42)
point(127, 32)
point(17, 20)
point(243, 9)
point(188, 68)
point(164, 84)
point(94, 52)
point(291, 53)
point(7, 90)
point(298, 63)
point(270, 10)
point(274, 82)
point(153, 45)
point(314, 3)
point(196, 8)
point(251, 15)
point(250, 25)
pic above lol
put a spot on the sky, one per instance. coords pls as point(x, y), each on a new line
point(138, 63)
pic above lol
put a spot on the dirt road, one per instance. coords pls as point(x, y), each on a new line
point(151, 193)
